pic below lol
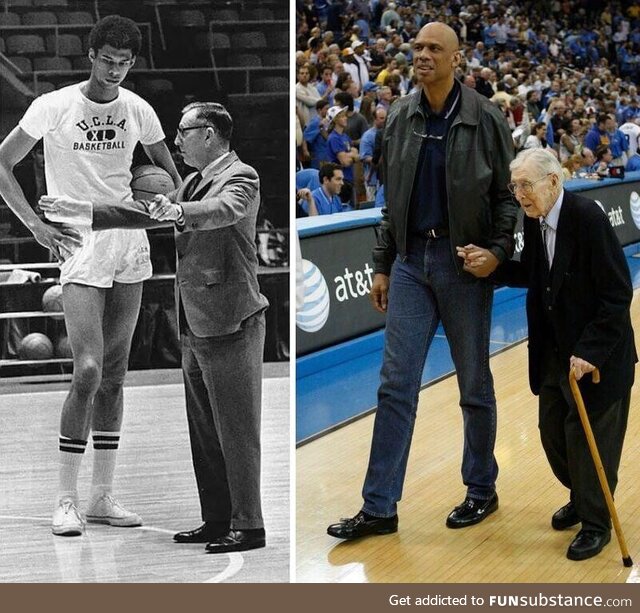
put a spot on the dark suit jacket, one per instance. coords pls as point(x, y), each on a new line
point(586, 301)
point(217, 265)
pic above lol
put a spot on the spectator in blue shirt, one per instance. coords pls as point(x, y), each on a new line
point(341, 150)
point(633, 163)
point(366, 153)
point(597, 135)
point(315, 135)
point(327, 196)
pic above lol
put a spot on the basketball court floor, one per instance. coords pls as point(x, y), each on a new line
point(515, 544)
point(154, 477)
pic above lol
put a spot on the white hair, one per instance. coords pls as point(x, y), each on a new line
point(541, 159)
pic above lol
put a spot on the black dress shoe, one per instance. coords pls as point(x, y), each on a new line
point(565, 517)
point(588, 543)
point(203, 534)
point(363, 525)
point(471, 511)
point(238, 540)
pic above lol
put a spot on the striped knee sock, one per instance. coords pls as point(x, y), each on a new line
point(105, 451)
point(71, 453)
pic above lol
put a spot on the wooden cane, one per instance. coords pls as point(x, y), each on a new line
point(593, 448)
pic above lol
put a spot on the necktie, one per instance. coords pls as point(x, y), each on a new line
point(191, 189)
point(543, 230)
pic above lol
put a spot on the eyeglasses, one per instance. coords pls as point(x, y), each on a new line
point(431, 136)
point(181, 131)
point(526, 187)
point(122, 65)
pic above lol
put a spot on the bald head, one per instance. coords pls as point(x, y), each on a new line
point(443, 32)
point(436, 55)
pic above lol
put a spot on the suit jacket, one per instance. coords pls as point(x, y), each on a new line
point(584, 302)
point(217, 265)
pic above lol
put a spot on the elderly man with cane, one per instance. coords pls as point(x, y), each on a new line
point(578, 299)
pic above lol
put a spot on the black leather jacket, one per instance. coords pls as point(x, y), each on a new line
point(479, 150)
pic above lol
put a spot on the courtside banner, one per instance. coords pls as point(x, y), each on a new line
point(338, 273)
point(338, 267)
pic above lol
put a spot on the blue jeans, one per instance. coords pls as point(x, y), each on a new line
point(425, 289)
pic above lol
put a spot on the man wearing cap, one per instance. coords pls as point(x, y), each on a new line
point(446, 153)
point(341, 150)
point(357, 66)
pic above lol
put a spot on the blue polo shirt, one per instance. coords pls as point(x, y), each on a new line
point(336, 143)
point(428, 204)
point(324, 204)
point(367, 143)
point(317, 143)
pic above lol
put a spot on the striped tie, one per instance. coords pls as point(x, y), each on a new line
point(191, 189)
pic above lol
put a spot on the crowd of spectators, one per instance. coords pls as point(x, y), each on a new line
point(563, 73)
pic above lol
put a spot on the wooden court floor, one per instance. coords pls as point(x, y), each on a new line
point(515, 544)
point(154, 477)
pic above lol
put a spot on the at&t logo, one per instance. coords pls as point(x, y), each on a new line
point(315, 310)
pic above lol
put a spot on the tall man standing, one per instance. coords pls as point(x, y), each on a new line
point(448, 150)
point(578, 299)
point(222, 322)
point(90, 131)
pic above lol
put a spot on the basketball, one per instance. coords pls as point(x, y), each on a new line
point(148, 180)
point(63, 347)
point(35, 346)
point(52, 300)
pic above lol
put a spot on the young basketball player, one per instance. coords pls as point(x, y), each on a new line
point(90, 131)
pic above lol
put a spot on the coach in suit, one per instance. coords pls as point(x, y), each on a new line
point(578, 299)
point(221, 316)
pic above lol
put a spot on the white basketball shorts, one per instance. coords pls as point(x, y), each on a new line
point(109, 255)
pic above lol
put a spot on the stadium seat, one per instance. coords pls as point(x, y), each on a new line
point(187, 19)
point(23, 63)
point(249, 40)
point(76, 17)
point(278, 39)
point(25, 44)
point(275, 59)
point(307, 178)
point(41, 18)
point(52, 63)
point(259, 14)
point(67, 44)
point(270, 84)
point(244, 59)
point(215, 40)
point(81, 62)
point(50, 3)
point(141, 63)
point(154, 88)
point(9, 19)
point(225, 15)
point(44, 87)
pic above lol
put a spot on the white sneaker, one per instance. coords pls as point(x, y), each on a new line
point(107, 510)
point(67, 520)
